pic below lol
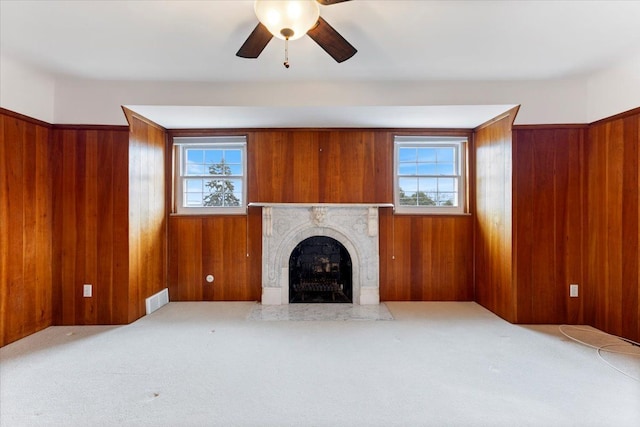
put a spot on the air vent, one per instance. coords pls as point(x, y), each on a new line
point(156, 301)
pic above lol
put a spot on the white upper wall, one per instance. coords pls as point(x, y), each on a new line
point(75, 101)
point(614, 90)
point(85, 101)
point(25, 90)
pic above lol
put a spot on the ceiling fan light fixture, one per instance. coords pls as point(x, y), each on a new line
point(287, 19)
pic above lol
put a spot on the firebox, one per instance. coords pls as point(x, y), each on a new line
point(320, 272)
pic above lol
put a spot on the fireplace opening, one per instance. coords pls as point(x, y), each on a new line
point(320, 272)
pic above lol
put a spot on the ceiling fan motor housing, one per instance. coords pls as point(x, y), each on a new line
point(287, 19)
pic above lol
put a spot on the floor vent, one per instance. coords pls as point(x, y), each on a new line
point(156, 301)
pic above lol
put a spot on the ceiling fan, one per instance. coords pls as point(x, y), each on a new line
point(290, 20)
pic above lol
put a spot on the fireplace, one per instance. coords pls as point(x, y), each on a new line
point(320, 272)
point(354, 226)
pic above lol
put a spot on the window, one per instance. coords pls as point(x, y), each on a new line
point(210, 175)
point(429, 174)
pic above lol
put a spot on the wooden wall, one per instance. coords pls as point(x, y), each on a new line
point(322, 166)
point(612, 262)
point(25, 226)
point(307, 166)
point(552, 205)
point(426, 258)
point(79, 205)
point(216, 246)
point(147, 213)
point(91, 224)
point(549, 223)
point(494, 284)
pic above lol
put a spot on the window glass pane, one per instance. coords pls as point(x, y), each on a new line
point(193, 199)
point(209, 169)
point(425, 199)
point(406, 154)
point(219, 169)
point(223, 193)
point(193, 169)
point(427, 169)
point(447, 199)
point(235, 185)
point(408, 189)
point(193, 185)
point(446, 184)
point(213, 156)
point(195, 156)
point(446, 155)
point(429, 185)
point(233, 156)
point(407, 169)
point(235, 169)
point(407, 199)
point(445, 169)
point(427, 154)
point(408, 184)
point(238, 197)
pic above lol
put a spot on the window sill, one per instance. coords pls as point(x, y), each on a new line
point(205, 214)
point(433, 213)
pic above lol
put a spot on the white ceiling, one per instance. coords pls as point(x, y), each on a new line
point(196, 41)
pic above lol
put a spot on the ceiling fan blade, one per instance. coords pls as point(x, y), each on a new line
point(255, 43)
point(331, 41)
point(330, 2)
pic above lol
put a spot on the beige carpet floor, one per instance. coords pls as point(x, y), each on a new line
point(211, 364)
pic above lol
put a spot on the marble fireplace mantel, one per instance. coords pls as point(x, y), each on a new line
point(355, 226)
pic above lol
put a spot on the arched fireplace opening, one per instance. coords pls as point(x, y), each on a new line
point(320, 272)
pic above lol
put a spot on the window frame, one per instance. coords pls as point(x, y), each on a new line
point(183, 143)
point(410, 141)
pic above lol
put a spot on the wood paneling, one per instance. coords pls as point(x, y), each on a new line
point(283, 167)
point(612, 266)
point(88, 204)
point(355, 167)
point(494, 284)
point(147, 213)
point(307, 166)
point(215, 245)
point(426, 258)
point(549, 223)
point(26, 198)
point(433, 254)
point(90, 228)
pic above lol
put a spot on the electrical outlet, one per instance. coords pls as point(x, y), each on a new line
point(573, 290)
point(87, 290)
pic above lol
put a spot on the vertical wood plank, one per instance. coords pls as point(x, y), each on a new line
point(91, 183)
point(495, 282)
point(147, 216)
point(26, 305)
point(613, 221)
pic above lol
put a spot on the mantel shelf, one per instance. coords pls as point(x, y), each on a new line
point(336, 205)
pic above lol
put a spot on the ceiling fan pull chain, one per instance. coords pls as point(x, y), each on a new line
point(286, 52)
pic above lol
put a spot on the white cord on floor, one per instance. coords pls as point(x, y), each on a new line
point(601, 348)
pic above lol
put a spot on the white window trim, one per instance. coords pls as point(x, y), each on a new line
point(179, 145)
point(418, 141)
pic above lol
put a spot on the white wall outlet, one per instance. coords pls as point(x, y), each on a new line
point(87, 290)
point(573, 290)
